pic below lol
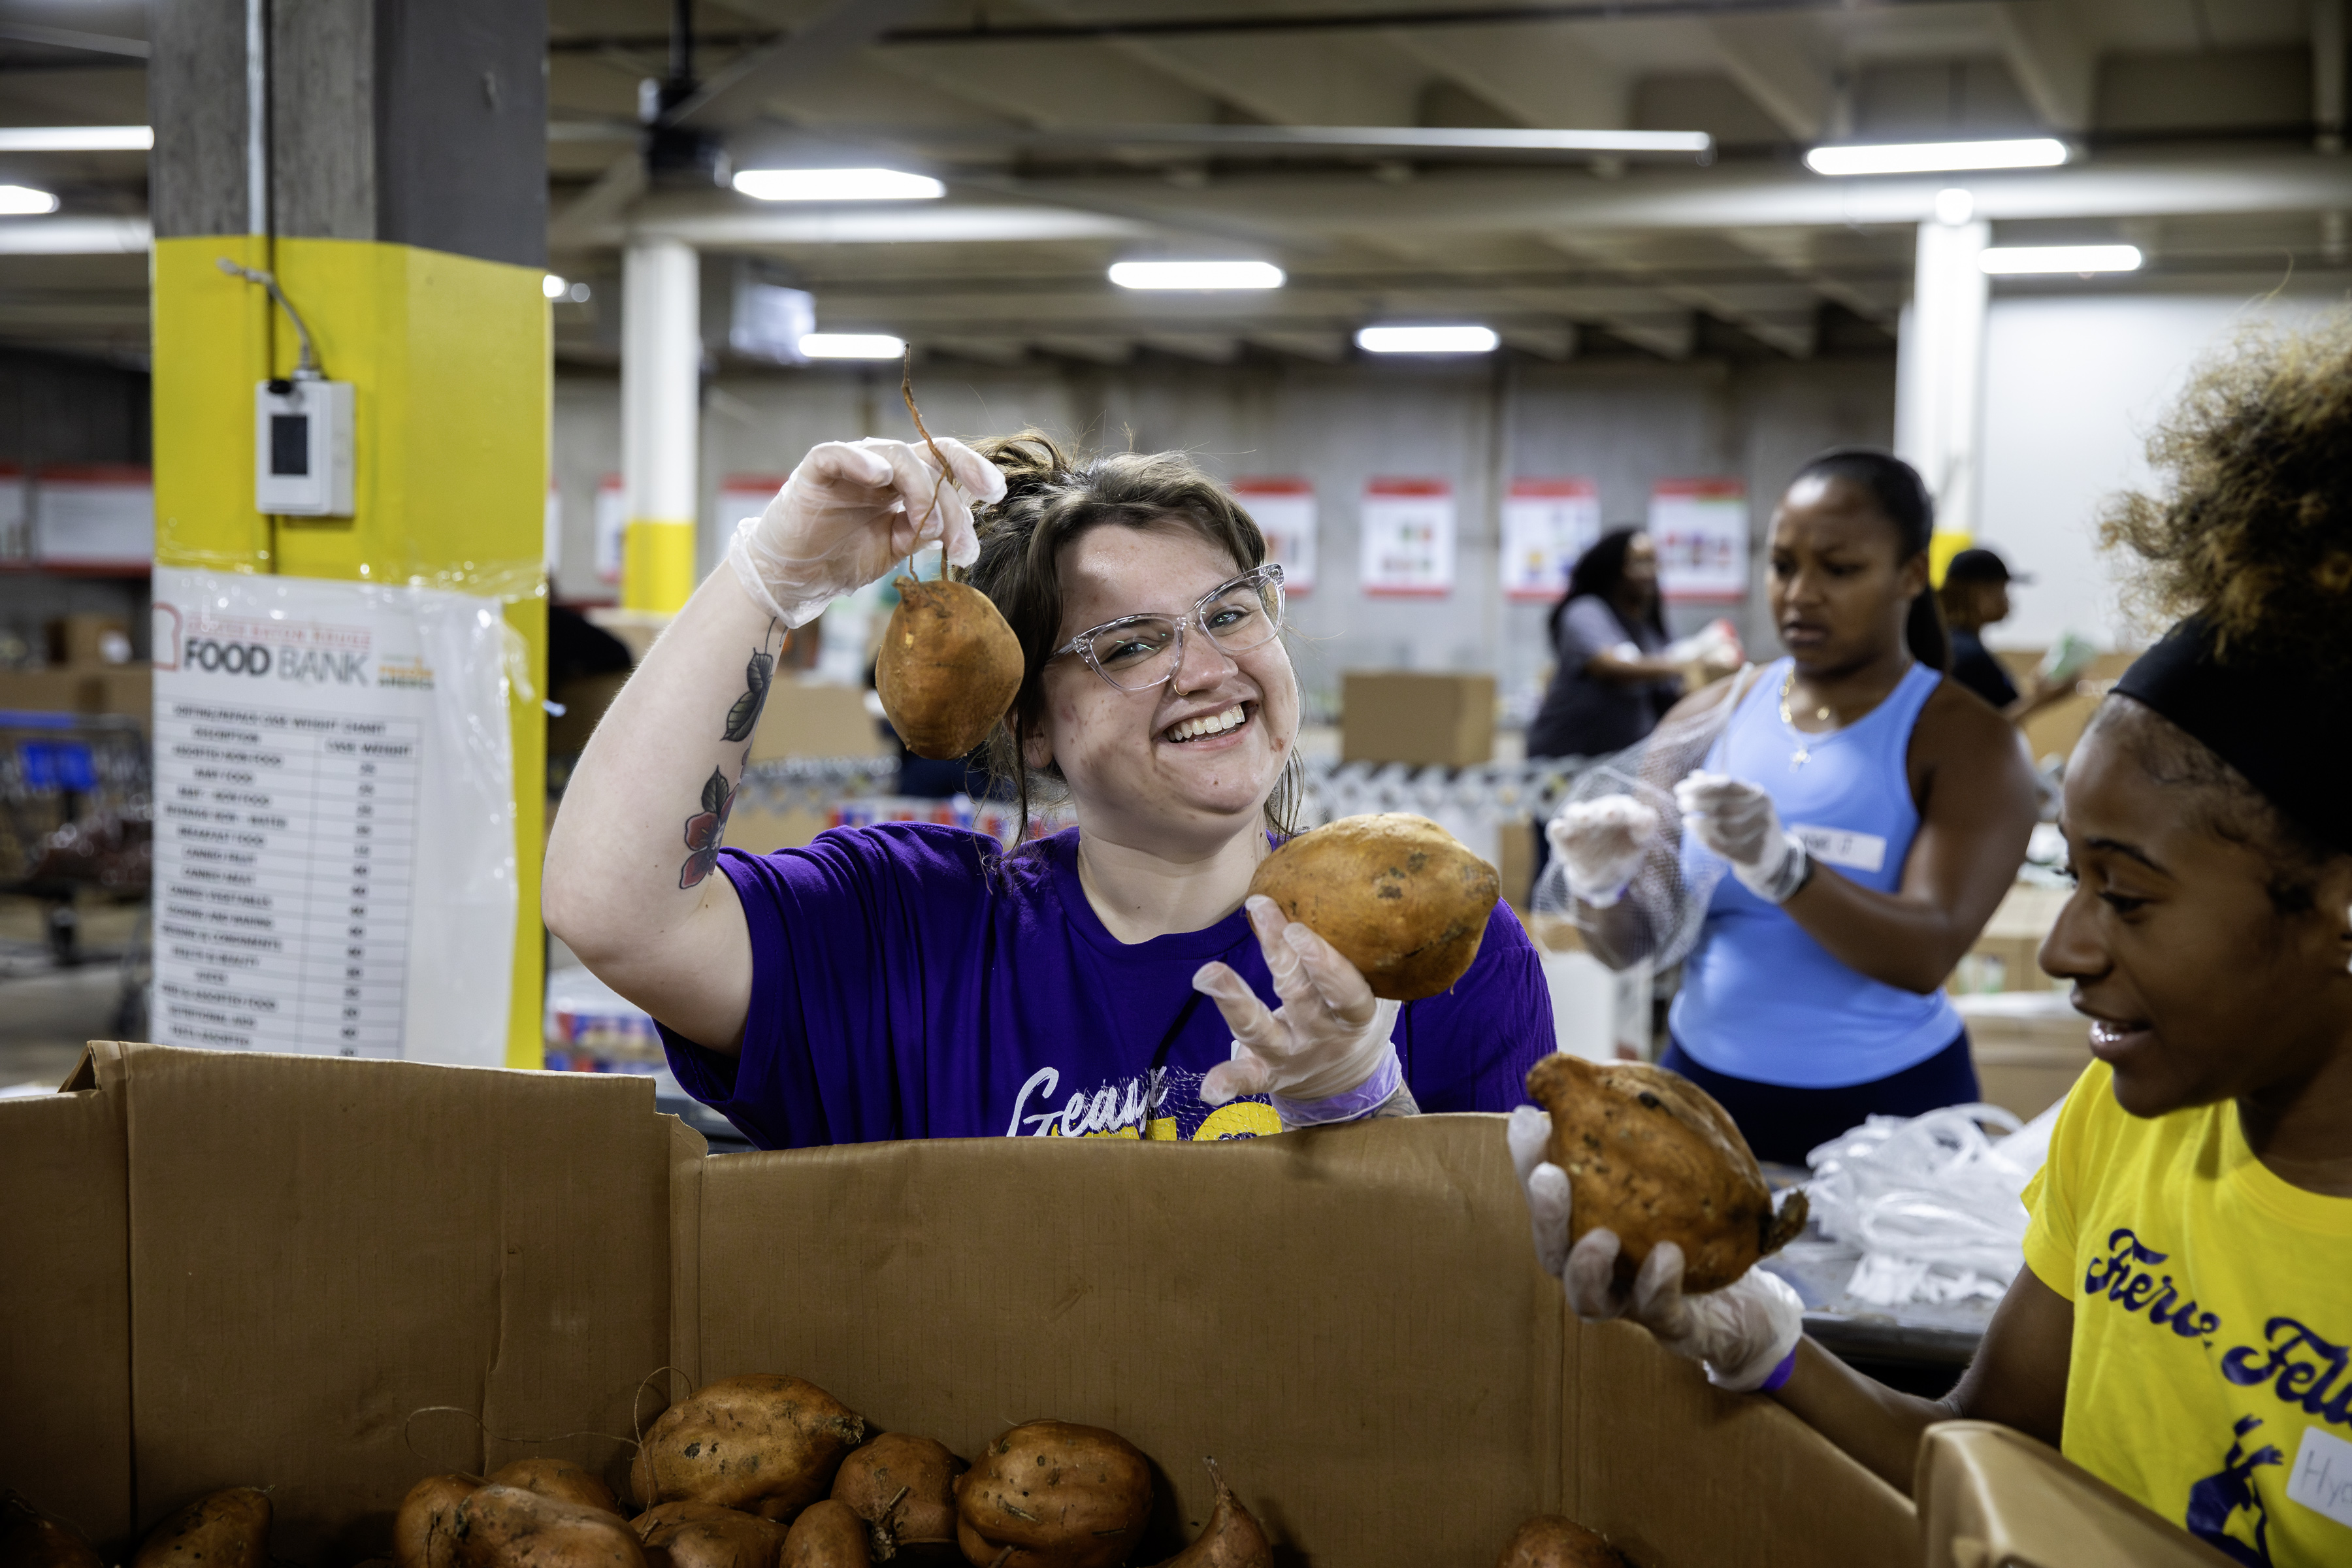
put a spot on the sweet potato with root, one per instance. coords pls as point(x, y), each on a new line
point(424, 1530)
point(509, 1527)
point(31, 1539)
point(1399, 896)
point(1053, 1494)
point(1651, 1156)
point(1548, 1540)
point(947, 667)
point(765, 1444)
point(1231, 1539)
point(558, 1478)
point(223, 1529)
point(828, 1534)
point(704, 1535)
point(903, 1487)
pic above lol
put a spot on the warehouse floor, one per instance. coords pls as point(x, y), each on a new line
point(47, 1013)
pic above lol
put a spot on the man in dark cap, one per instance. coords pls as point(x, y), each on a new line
point(1975, 594)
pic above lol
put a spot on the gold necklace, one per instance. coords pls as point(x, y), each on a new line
point(1804, 753)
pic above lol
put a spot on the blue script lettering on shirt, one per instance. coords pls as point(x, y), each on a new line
point(2300, 1368)
point(2136, 1290)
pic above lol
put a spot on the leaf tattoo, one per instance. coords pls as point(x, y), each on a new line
point(744, 717)
point(705, 830)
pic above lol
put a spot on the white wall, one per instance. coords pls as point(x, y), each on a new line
point(1623, 422)
point(2072, 386)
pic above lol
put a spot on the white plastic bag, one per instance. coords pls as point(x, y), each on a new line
point(1932, 1203)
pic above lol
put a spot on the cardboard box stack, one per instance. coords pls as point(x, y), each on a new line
point(1394, 716)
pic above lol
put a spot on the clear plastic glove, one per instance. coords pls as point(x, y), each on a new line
point(1737, 820)
point(1330, 1036)
point(1741, 1333)
point(849, 512)
point(1600, 843)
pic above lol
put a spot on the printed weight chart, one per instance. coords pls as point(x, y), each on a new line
point(285, 852)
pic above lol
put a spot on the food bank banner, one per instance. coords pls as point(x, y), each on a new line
point(334, 819)
point(1285, 511)
point(1546, 524)
point(1701, 530)
point(1407, 528)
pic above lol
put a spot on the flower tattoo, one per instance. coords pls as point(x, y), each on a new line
point(706, 828)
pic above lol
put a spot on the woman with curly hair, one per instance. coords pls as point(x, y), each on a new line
point(913, 981)
point(2183, 1325)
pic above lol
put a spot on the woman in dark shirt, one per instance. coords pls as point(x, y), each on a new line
point(1613, 679)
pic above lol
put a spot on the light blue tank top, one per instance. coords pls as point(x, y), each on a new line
point(1763, 1000)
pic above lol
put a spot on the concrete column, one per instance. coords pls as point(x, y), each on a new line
point(661, 405)
point(1939, 374)
point(387, 161)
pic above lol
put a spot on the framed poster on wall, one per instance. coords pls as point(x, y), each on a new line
point(1701, 530)
point(1407, 536)
point(1285, 511)
point(1546, 524)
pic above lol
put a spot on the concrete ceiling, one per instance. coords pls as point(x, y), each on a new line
point(2196, 120)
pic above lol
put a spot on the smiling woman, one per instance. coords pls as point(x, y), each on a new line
point(907, 980)
point(2180, 1328)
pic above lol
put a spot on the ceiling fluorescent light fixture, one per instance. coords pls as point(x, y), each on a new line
point(837, 185)
point(1429, 340)
point(22, 200)
point(554, 288)
point(2008, 260)
point(76, 138)
point(850, 346)
point(1196, 275)
point(1932, 157)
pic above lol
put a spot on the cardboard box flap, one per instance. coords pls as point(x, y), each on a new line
point(65, 1308)
point(321, 1248)
point(1994, 1497)
point(1351, 1321)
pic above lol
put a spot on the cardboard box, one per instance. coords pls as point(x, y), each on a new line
point(124, 689)
point(2006, 955)
point(89, 640)
point(231, 1268)
point(809, 718)
point(1395, 716)
point(2029, 1047)
point(1515, 862)
point(1993, 1495)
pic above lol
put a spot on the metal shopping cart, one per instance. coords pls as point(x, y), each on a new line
point(77, 823)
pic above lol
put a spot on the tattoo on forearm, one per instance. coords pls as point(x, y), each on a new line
point(707, 828)
point(758, 676)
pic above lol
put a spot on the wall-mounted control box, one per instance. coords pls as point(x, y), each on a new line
point(303, 447)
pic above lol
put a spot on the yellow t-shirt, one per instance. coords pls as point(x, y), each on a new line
point(2210, 1377)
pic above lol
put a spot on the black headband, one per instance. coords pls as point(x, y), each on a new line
point(2287, 731)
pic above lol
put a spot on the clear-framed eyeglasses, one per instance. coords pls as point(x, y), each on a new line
point(1136, 653)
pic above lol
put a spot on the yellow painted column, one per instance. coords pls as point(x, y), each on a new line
point(449, 356)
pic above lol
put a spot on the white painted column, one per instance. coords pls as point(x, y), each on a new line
point(661, 398)
point(1939, 369)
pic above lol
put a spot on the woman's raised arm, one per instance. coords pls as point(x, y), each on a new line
point(632, 883)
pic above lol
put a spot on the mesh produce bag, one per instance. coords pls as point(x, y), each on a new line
point(1664, 908)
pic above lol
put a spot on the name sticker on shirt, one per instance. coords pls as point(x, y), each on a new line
point(2322, 1481)
point(1836, 846)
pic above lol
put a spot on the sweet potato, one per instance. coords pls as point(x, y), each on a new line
point(424, 1530)
point(1229, 1539)
point(507, 1527)
point(1053, 1494)
point(765, 1444)
point(1652, 1156)
point(1399, 896)
point(704, 1535)
point(947, 668)
point(225, 1529)
point(828, 1534)
point(558, 1478)
point(1548, 1540)
point(31, 1539)
point(903, 1487)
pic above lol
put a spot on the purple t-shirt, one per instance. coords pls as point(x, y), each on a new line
point(906, 984)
